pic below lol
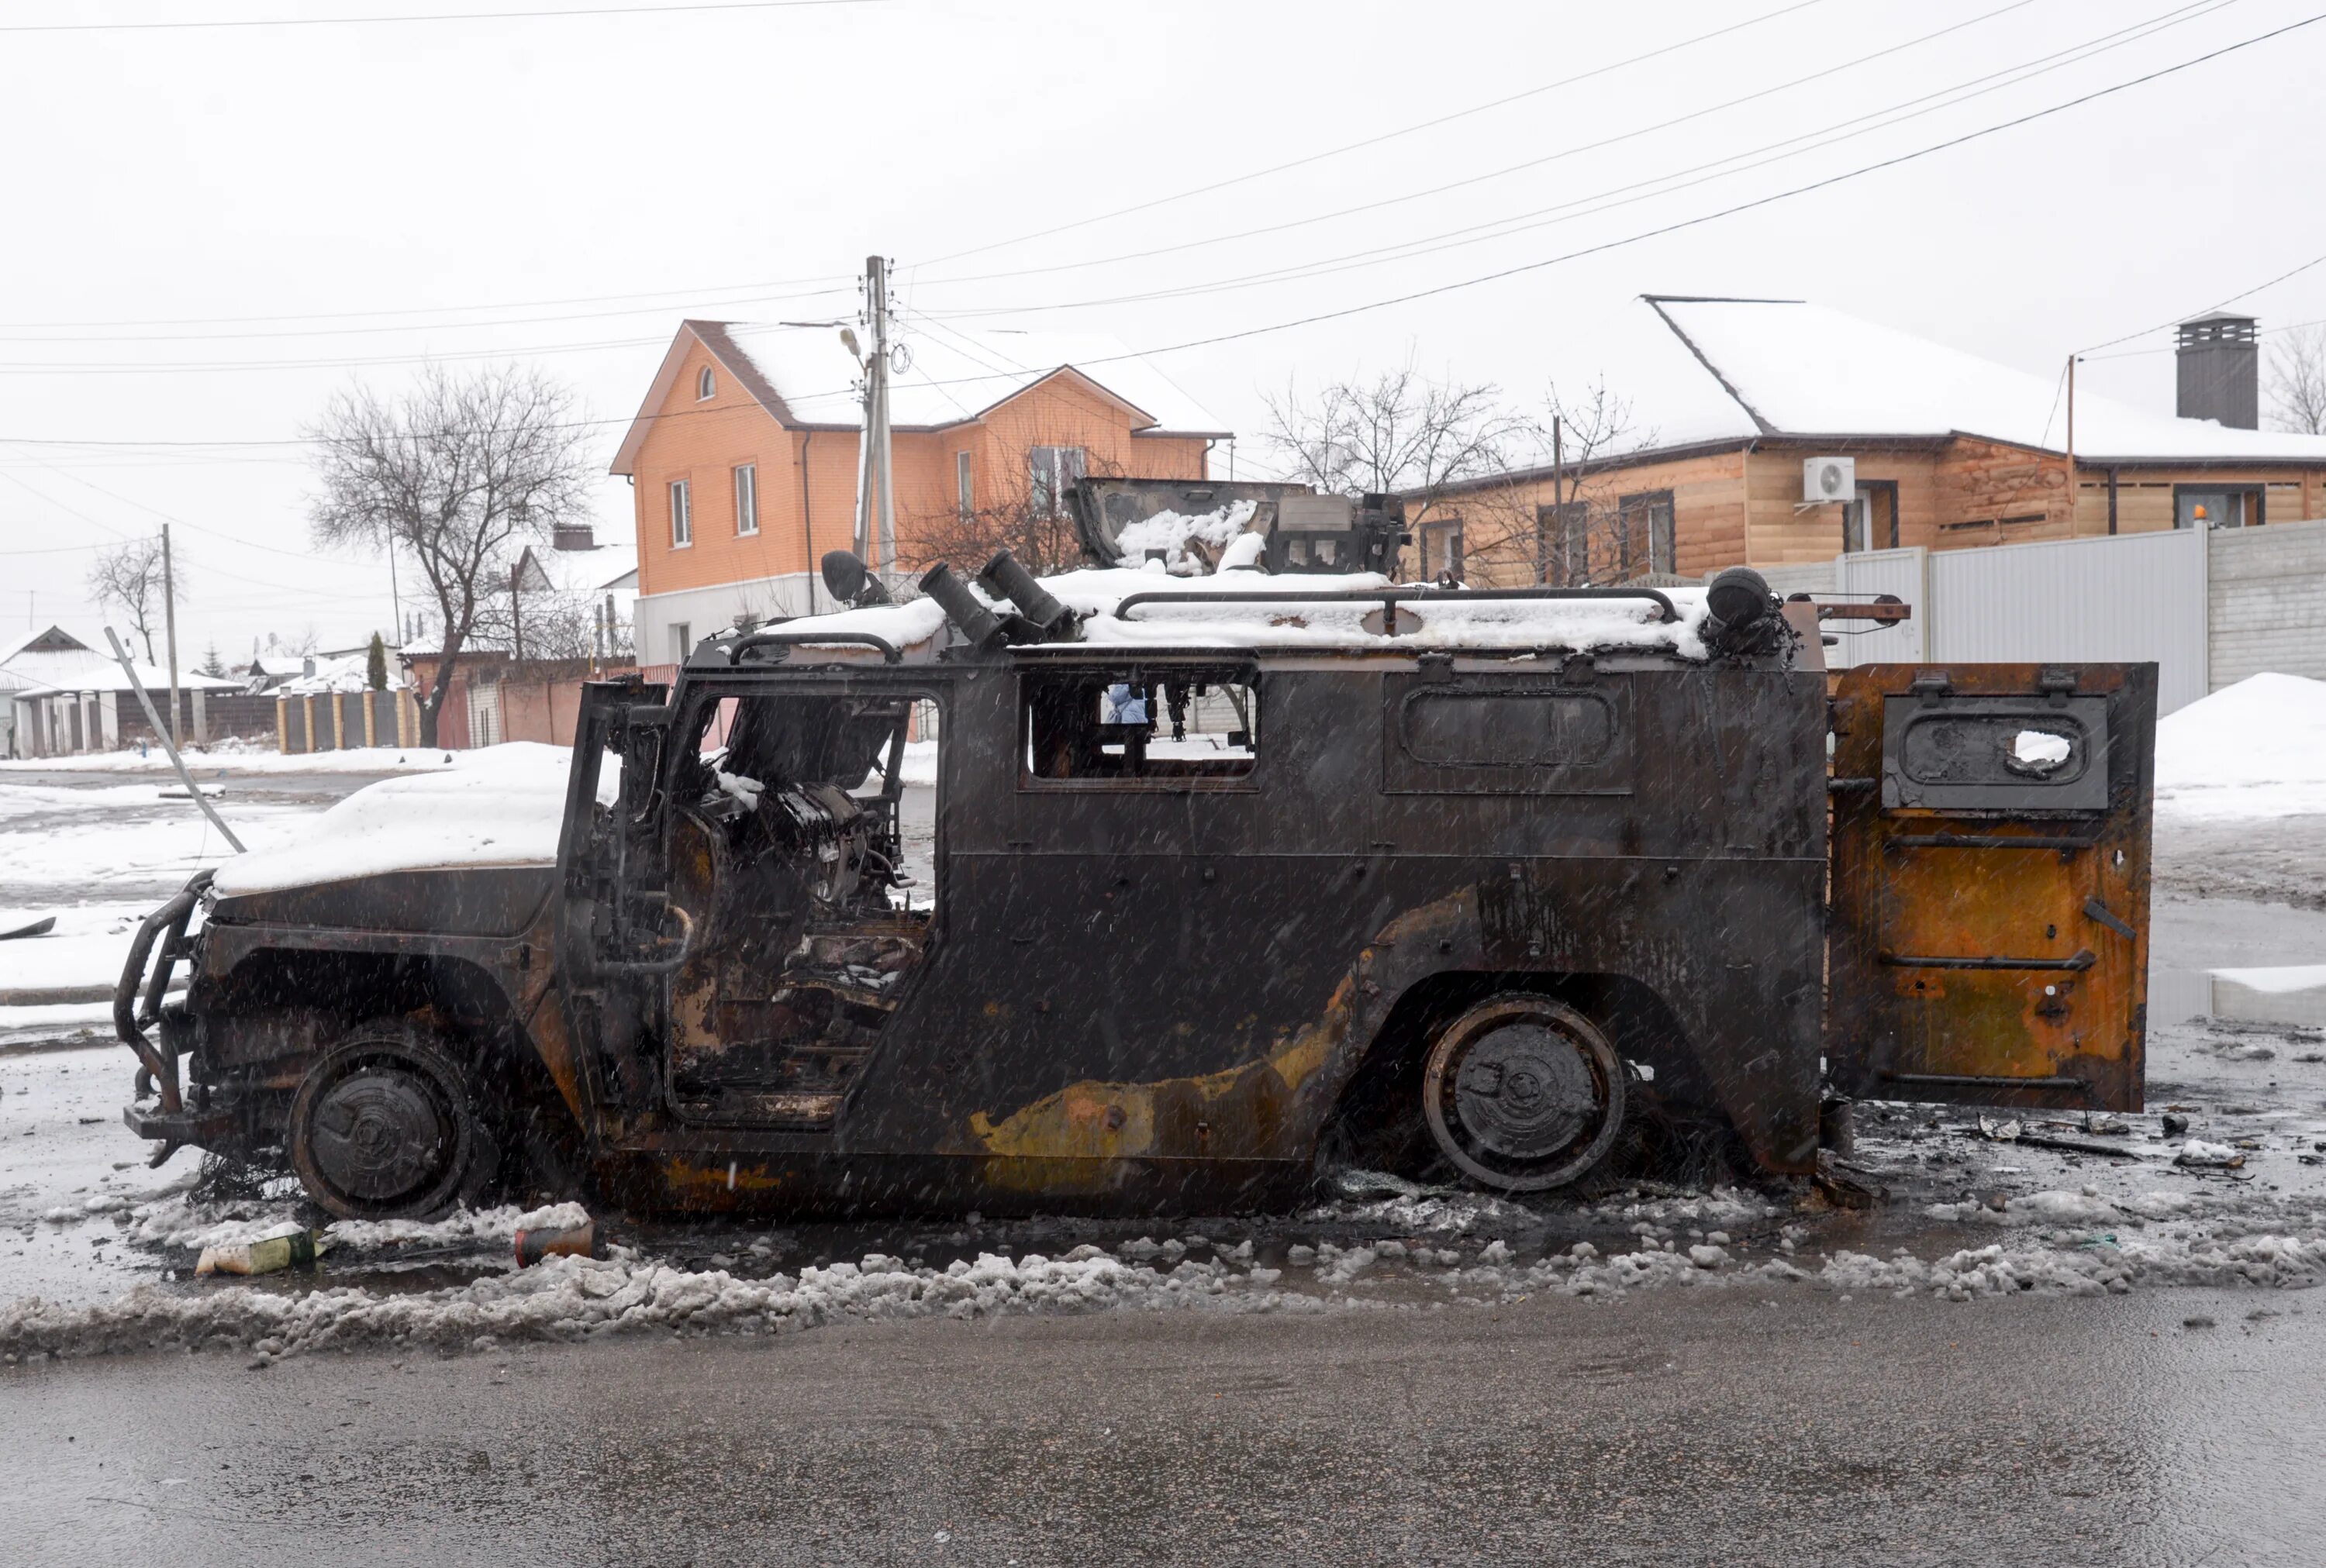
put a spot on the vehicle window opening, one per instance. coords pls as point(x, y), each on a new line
point(806, 860)
point(1125, 725)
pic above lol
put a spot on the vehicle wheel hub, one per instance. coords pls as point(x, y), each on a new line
point(1524, 1092)
point(379, 1134)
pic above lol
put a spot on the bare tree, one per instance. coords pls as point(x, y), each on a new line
point(460, 473)
point(2297, 380)
point(1400, 433)
point(1038, 529)
point(129, 576)
point(1569, 529)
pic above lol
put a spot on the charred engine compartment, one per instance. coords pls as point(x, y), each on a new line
point(806, 932)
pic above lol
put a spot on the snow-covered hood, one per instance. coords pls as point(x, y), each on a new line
point(499, 807)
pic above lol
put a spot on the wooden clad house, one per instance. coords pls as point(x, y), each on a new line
point(1942, 449)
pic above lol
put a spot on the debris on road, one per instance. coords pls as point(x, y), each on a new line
point(566, 1242)
point(288, 1247)
point(2197, 1153)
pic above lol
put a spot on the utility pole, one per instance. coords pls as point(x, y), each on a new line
point(394, 595)
point(2071, 446)
point(1557, 496)
point(877, 472)
point(517, 622)
point(169, 621)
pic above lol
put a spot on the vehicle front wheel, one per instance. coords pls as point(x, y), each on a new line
point(1523, 1093)
point(384, 1128)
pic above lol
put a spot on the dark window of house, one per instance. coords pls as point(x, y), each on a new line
point(1148, 727)
point(1566, 543)
point(2204, 508)
point(1048, 471)
point(1644, 542)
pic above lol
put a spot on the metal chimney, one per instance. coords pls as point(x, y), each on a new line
point(2220, 372)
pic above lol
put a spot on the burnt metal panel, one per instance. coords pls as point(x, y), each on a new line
point(1497, 734)
point(1960, 753)
point(1988, 943)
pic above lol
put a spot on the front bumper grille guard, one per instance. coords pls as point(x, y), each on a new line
point(162, 942)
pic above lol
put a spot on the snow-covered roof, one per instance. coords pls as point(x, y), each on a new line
point(1802, 370)
point(102, 674)
point(1277, 616)
point(609, 568)
point(804, 375)
point(56, 640)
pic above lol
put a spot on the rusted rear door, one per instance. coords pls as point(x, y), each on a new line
point(1990, 927)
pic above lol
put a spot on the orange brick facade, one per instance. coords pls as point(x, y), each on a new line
point(803, 478)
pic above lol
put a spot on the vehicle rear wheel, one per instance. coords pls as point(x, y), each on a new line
point(382, 1127)
point(1523, 1093)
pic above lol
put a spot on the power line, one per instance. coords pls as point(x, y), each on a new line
point(682, 303)
point(1664, 184)
point(679, 295)
point(1702, 218)
point(2246, 293)
point(1677, 226)
point(1575, 150)
point(1302, 162)
point(213, 25)
point(1403, 249)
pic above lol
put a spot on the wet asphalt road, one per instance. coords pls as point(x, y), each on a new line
point(1743, 1426)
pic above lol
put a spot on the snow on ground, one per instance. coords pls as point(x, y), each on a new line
point(2254, 749)
point(85, 949)
point(500, 806)
point(100, 859)
point(224, 761)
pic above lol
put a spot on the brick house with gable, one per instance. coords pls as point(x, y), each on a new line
point(743, 456)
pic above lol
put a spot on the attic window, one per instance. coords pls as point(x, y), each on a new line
point(705, 383)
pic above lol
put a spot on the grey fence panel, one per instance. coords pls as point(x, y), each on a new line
point(2267, 589)
point(1864, 575)
point(2134, 597)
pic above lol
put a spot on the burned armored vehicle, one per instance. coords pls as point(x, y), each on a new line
point(1136, 891)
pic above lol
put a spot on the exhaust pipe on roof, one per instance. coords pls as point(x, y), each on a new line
point(1004, 579)
point(980, 626)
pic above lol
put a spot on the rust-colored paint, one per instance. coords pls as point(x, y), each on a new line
point(1267, 1108)
point(1974, 956)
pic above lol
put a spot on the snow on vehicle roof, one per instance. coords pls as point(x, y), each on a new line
point(501, 806)
point(1296, 611)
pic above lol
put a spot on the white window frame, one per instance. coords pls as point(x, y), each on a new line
point(706, 385)
point(964, 486)
point(747, 499)
point(682, 641)
point(682, 515)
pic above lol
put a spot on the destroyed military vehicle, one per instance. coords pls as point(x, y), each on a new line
point(1160, 885)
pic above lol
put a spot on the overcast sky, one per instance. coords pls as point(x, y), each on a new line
point(217, 227)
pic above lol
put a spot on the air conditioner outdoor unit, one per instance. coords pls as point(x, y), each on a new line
point(1828, 479)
